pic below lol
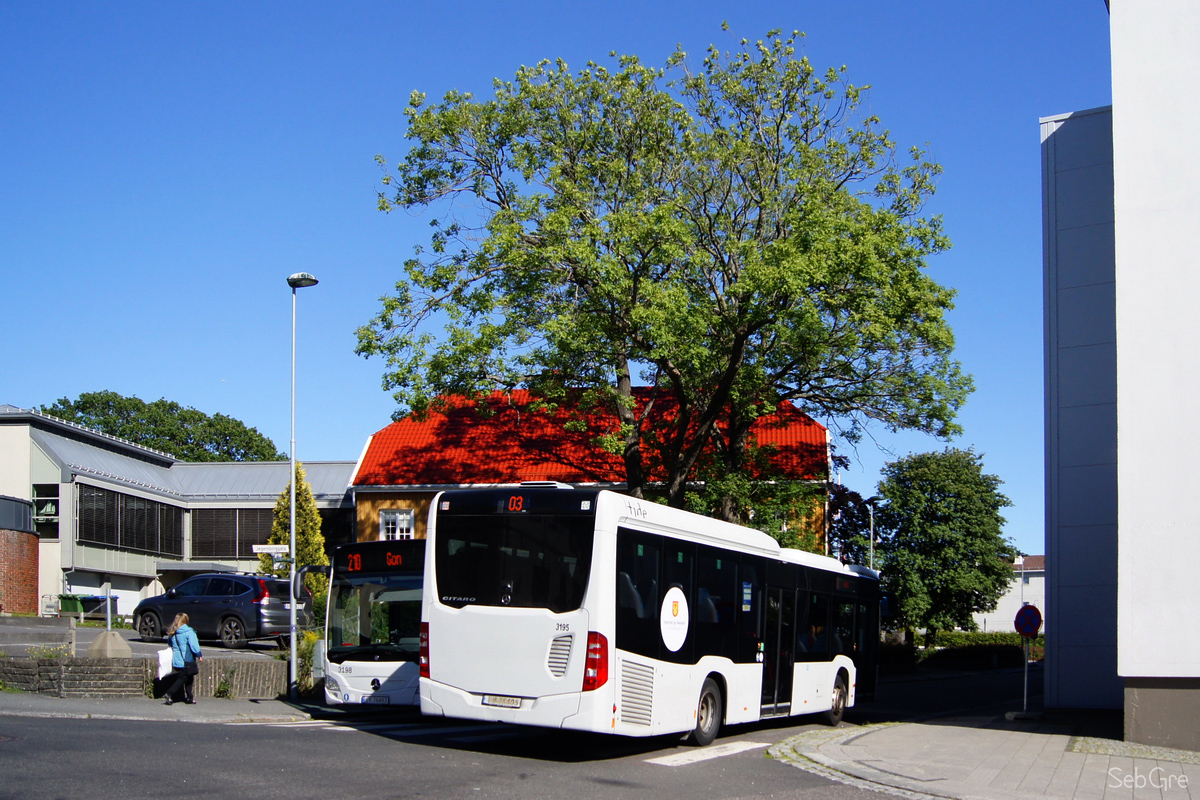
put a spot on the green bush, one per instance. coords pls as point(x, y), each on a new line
point(305, 645)
point(971, 638)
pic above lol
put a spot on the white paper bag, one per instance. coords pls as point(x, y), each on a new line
point(164, 662)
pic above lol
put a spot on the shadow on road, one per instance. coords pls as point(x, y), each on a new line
point(923, 696)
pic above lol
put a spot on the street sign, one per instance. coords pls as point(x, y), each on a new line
point(1028, 621)
point(273, 549)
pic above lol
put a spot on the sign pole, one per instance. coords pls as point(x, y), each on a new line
point(1027, 622)
point(1025, 650)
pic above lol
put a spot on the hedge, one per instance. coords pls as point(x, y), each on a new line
point(972, 638)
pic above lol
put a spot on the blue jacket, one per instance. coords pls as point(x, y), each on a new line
point(184, 646)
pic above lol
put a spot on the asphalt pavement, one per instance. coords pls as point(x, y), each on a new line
point(968, 753)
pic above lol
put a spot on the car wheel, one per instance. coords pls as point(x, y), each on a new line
point(233, 633)
point(708, 714)
point(148, 626)
point(838, 703)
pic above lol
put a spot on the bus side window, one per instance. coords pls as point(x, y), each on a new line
point(678, 562)
point(843, 629)
point(748, 604)
point(638, 565)
point(812, 641)
point(627, 595)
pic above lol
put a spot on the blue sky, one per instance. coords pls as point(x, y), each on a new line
point(165, 166)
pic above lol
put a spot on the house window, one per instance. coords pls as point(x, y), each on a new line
point(396, 523)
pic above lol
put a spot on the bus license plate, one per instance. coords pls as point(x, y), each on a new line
point(376, 698)
point(501, 700)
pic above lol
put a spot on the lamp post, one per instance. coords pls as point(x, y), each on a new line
point(296, 281)
point(871, 501)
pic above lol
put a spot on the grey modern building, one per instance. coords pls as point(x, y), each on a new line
point(112, 516)
point(1120, 191)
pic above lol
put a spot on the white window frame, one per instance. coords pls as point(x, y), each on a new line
point(396, 523)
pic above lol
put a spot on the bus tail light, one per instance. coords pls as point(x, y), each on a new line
point(423, 655)
point(595, 667)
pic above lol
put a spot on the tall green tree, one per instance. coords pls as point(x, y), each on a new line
point(943, 552)
point(185, 433)
point(733, 233)
point(310, 542)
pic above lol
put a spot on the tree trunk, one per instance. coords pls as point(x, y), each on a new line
point(735, 464)
point(635, 477)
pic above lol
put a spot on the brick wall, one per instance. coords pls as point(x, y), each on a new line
point(18, 572)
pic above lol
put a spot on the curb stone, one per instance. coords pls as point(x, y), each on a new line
point(803, 751)
point(230, 720)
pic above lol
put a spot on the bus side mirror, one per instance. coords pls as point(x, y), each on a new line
point(302, 572)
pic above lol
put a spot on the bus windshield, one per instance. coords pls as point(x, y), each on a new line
point(527, 561)
point(375, 617)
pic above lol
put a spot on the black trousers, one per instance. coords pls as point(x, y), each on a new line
point(179, 678)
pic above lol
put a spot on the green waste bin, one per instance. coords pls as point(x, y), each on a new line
point(70, 604)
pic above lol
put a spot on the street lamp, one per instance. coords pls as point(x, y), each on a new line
point(296, 281)
point(871, 501)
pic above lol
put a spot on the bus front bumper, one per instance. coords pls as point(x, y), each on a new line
point(342, 690)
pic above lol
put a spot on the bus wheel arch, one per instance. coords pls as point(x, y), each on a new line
point(710, 711)
point(839, 698)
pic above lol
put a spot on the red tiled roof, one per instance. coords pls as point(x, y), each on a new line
point(1032, 564)
point(507, 442)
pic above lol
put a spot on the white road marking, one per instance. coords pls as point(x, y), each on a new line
point(704, 754)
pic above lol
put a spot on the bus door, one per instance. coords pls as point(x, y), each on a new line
point(778, 653)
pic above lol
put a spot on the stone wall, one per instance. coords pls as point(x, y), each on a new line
point(133, 677)
point(18, 572)
point(76, 677)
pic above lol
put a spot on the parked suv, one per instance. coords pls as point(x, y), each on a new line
point(226, 606)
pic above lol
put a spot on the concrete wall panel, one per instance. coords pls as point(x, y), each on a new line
point(1085, 255)
point(1088, 436)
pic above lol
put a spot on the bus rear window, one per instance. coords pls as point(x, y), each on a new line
point(525, 562)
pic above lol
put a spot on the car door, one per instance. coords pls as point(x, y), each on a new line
point(220, 600)
point(186, 598)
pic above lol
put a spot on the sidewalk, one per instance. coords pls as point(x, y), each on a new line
point(991, 758)
point(205, 709)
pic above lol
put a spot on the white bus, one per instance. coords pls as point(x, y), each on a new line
point(373, 621)
point(594, 611)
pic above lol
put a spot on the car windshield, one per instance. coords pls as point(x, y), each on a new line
point(376, 616)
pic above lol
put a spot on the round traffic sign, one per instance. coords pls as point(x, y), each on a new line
point(1028, 621)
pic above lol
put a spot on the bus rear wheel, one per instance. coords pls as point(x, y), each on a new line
point(708, 714)
point(837, 707)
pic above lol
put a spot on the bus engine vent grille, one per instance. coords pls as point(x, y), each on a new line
point(637, 693)
point(560, 654)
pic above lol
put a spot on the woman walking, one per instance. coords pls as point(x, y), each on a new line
point(185, 655)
